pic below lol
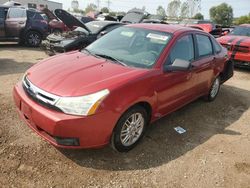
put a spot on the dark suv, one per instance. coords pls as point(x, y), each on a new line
point(27, 26)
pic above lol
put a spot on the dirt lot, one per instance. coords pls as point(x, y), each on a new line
point(214, 152)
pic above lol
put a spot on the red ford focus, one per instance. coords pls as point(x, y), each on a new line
point(111, 91)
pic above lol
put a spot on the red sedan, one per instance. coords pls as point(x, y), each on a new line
point(112, 90)
point(238, 44)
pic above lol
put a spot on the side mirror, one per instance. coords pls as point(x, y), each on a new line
point(103, 33)
point(178, 65)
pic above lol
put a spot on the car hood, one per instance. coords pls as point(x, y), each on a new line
point(77, 74)
point(234, 39)
point(69, 20)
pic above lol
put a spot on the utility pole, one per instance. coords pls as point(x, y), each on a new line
point(108, 3)
point(98, 4)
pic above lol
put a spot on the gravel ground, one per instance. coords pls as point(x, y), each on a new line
point(214, 152)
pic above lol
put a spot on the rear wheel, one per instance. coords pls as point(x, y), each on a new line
point(214, 90)
point(33, 38)
point(129, 129)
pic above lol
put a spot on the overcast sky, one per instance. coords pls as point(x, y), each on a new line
point(240, 7)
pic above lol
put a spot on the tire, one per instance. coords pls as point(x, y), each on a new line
point(125, 135)
point(33, 39)
point(214, 90)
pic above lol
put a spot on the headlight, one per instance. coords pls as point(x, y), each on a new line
point(85, 105)
point(66, 42)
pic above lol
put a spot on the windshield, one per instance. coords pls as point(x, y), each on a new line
point(241, 31)
point(134, 47)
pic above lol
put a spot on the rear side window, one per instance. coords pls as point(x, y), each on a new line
point(183, 49)
point(204, 45)
point(1, 12)
point(17, 13)
point(217, 47)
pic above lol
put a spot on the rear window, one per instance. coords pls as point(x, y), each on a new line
point(17, 13)
point(204, 45)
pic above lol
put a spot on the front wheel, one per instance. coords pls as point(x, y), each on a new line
point(129, 129)
point(33, 38)
point(214, 90)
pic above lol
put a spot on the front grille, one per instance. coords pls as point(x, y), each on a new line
point(38, 95)
point(236, 48)
point(242, 49)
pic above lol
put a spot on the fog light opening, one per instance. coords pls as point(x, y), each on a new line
point(67, 141)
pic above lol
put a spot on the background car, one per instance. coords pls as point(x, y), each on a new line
point(205, 25)
point(237, 43)
point(110, 91)
point(55, 25)
point(28, 26)
point(135, 16)
point(80, 37)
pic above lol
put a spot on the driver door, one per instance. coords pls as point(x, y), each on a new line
point(175, 89)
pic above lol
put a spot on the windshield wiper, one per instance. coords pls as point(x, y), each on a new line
point(90, 53)
point(111, 58)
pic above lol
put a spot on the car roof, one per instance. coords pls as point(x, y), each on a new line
point(162, 27)
point(245, 25)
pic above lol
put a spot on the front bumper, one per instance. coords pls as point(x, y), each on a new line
point(240, 59)
point(90, 132)
point(51, 48)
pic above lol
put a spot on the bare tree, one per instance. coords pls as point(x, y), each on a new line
point(161, 11)
point(184, 10)
point(174, 8)
point(194, 7)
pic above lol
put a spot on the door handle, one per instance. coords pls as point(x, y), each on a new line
point(21, 22)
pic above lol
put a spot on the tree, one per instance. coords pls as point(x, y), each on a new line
point(91, 7)
point(76, 10)
point(198, 16)
point(105, 10)
point(194, 6)
point(173, 8)
point(222, 14)
point(184, 10)
point(243, 20)
point(161, 11)
point(143, 8)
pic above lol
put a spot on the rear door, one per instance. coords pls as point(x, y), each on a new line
point(205, 59)
point(2, 19)
point(15, 21)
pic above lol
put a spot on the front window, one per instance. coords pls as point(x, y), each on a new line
point(241, 31)
point(183, 49)
point(134, 47)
